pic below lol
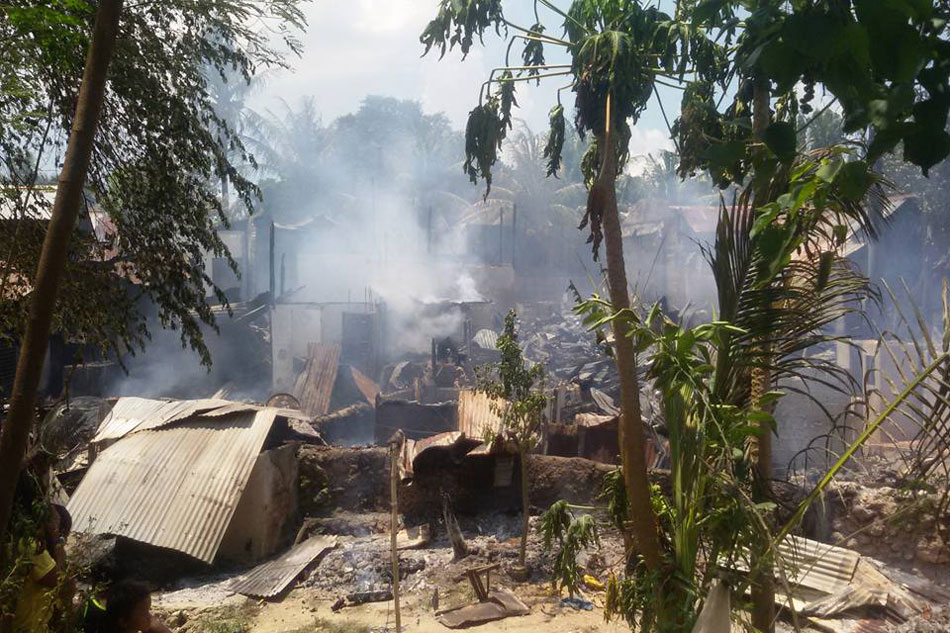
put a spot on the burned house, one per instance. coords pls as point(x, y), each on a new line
point(211, 479)
point(25, 213)
point(357, 328)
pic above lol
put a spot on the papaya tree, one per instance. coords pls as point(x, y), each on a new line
point(618, 51)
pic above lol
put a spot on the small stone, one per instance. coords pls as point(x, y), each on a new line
point(862, 514)
point(852, 543)
point(876, 529)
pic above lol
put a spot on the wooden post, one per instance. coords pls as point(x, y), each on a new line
point(501, 235)
point(514, 234)
point(394, 450)
point(429, 230)
point(283, 270)
point(273, 273)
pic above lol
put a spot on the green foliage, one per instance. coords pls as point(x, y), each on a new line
point(160, 152)
point(779, 281)
point(617, 48)
point(899, 90)
point(571, 534)
point(459, 22)
point(615, 494)
point(517, 388)
point(709, 515)
point(484, 133)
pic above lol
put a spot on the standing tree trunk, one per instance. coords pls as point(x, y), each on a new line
point(763, 583)
point(72, 180)
point(603, 194)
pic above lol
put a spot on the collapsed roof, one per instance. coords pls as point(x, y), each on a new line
point(175, 471)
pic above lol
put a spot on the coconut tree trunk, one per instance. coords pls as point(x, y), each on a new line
point(633, 458)
point(69, 192)
point(763, 583)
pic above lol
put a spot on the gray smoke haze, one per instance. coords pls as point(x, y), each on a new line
point(374, 207)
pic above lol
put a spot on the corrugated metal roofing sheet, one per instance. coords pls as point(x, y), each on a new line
point(476, 415)
point(593, 419)
point(486, 339)
point(604, 402)
point(271, 578)
point(366, 385)
point(819, 566)
point(140, 414)
point(411, 450)
point(173, 487)
point(315, 384)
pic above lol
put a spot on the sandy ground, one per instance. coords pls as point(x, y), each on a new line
point(297, 611)
point(305, 610)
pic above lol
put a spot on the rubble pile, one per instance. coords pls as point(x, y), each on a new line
point(937, 621)
point(362, 564)
point(889, 523)
point(562, 343)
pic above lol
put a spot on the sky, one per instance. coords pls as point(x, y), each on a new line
point(355, 48)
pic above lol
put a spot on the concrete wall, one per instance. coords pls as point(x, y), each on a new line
point(266, 510)
point(800, 421)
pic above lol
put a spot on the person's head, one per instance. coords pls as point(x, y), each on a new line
point(53, 524)
point(64, 518)
point(128, 606)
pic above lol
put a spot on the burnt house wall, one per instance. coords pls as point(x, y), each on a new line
point(599, 443)
point(417, 421)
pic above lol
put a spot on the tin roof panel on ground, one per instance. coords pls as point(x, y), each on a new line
point(273, 577)
point(174, 487)
point(819, 566)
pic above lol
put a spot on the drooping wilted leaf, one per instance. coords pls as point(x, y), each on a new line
point(459, 22)
point(555, 143)
point(533, 53)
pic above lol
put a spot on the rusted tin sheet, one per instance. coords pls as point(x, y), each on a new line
point(141, 414)
point(315, 384)
point(174, 487)
point(454, 443)
point(819, 566)
point(273, 577)
point(477, 417)
point(366, 385)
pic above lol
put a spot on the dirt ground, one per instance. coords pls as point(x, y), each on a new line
point(307, 609)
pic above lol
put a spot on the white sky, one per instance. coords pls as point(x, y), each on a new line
point(355, 48)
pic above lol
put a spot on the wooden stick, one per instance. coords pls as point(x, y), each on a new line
point(394, 525)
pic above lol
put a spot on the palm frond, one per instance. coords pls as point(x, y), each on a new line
point(781, 278)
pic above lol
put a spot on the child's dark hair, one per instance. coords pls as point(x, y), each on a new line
point(121, 599)
point(65, 519)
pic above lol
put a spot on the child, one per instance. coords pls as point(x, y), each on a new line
point(127, 609)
